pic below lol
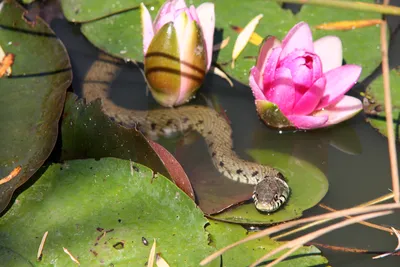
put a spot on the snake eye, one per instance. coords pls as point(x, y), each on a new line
point(276, 197)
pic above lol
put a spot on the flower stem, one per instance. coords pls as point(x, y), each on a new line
point(388, 110)
point(359, 6)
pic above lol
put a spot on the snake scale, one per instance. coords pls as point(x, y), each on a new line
point(271, 191)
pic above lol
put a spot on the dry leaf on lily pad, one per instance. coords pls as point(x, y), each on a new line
point(244, 37)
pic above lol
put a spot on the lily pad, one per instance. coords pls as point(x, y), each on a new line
point(120, 34)
point(374, 104)
point(32, 99)
point(85, 10)
point(308, 186)
point(223, 234)
point(103, 212)
point(88, 133)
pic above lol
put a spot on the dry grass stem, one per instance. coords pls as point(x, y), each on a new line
point(298, 242)
point(41, 246)
point(397, 249)
point(71, 256)
point(388, 110)
point(309, 225)
point(284, 226)
point(368, 224)
point(11, 176)
point(150, 262)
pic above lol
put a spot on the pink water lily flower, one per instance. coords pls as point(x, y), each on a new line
point(301, 84)
point(177, 49)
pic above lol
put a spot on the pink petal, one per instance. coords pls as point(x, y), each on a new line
point(162, 13)
point(282, 92)
point(309, 101)
point(268, 73)
point(193, 14)
point(329, 49)
point(147, 27)
point(338, 82)
point(265, 51)
point(308, 122)
point(179, 4)
point(206, 15)
point(299, 37)
point(255, 85)
point(161, 21)
point(345, 109)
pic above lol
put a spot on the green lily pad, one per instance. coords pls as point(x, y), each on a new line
point(308, 186)
point(223, 234)
point(120, 34)
point(32, 99)
point(374, 105)
point(103, 212)
point(85, 10)
point(88, 133)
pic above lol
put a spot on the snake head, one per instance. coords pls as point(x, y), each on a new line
point(270, 193)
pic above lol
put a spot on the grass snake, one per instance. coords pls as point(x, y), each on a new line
point(270, 191)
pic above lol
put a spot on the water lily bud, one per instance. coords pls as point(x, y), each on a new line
point(300, 84)
point(177, 50)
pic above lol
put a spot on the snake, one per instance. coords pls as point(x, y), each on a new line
point(270, 189)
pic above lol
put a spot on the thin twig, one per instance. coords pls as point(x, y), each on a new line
point(298, 242)
point(349, 5)
point(309, 225)
point(388, 111)
point(280, 227)
point(368, 224)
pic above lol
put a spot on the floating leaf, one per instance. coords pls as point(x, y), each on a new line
point(32, 99)
point(307, 183)
point(375, 93)
point(100, 213)
point(86, 10)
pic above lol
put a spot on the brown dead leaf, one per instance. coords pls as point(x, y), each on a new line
point(12, 174)
point(5, 64)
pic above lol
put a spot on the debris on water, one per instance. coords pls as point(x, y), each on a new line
point(41, 246)
point(71, 256)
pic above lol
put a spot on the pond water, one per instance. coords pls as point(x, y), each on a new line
point(356, 164)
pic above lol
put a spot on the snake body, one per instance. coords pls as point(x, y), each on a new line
point(271, 191)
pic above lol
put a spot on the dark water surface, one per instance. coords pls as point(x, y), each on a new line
point(357, 172)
